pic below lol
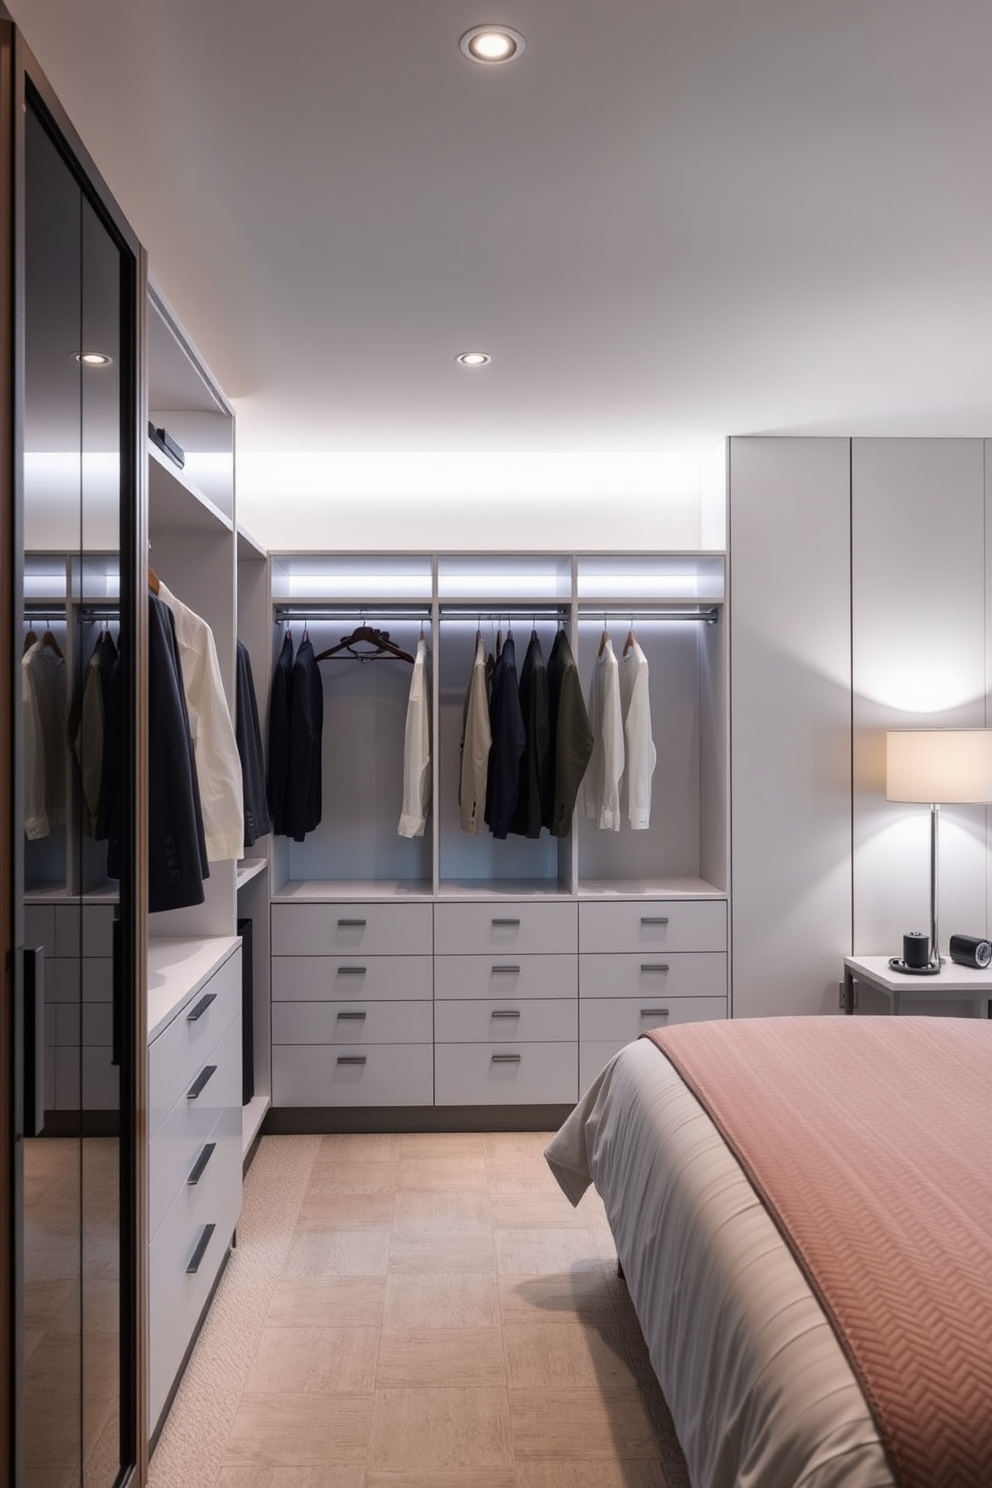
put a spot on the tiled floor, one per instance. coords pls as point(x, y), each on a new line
point(417, 1312)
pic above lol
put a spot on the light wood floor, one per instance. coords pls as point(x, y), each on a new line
point(417, 1312)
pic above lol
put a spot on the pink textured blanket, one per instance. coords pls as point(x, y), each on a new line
point(870, 1143)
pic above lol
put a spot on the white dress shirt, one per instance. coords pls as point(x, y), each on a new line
point(477, 741)
point(417, 750)
point(218, 764)
point(599, 793)
point(640, 755)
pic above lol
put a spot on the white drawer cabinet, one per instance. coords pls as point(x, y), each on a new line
point(352, 1023)
point(505, 976)
point(674, 974)
point(526, 1020)
point(652, 925)
point(375, 1075)
point(77, 939)
point(370, 978)
point(513, 1074)
point(194, 1154)
point(619, 1020)
point(348, 929)
point(480, 929)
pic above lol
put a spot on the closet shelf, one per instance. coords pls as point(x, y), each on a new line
point(250, 868)
point(332, 889)
point(175, 503)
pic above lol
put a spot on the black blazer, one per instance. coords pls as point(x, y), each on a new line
point(509, 741)
point(306, 723)
point(280, 703)
point(535, 764)
point(249, 737)
point(177, 854)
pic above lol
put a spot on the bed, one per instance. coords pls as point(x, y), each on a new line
point(750, 1352)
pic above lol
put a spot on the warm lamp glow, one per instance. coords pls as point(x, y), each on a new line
point(945, 766)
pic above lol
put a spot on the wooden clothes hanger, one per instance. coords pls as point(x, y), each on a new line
point(381, 648)
point(49, 640)
point(153, 580)
point(29, 641)
point(603, 639)
point(631, 638)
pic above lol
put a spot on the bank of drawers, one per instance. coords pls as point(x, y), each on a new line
point(194, 1165)
point(479, 1002)
point(352, 1004)
point(79, 1072)
point(647, 965)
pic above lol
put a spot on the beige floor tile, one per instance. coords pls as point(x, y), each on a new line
point(429, 1212)
point(327, 1475)
point(516, 1146)
point(520, 1176)
point(363, 1147)
point(471, 1251)
point(446, 1174)
point(338, 1253)
point(581, 1424)
point(442, 1428)
point(559, 1299)
point(331, 1301)
point(335, 1176)
point(461, 1477)
point(418, 1145)
point(541, 1356)
point(535, 1211)
point(291, 1430)
point(645, 1473)
point(465, 1300)
point(306, 1359)
point(441, 1356)
point(345, 1212)
point(544, 1252)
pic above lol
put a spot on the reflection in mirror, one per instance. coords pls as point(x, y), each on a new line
point(72, 441)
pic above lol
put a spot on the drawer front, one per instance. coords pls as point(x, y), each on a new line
point(653, 925)
point(379, 1075)
point(190, 1125)
point(345, 978)
point(39, 926)
point(176, 1297)
point(526, 1074)
point(622, 1019)
point(538, 1020)
point(352, 1023)
point(496, 927)
point(184, 1046)
point(654, 976)
point(505, 976)
point(351, 929)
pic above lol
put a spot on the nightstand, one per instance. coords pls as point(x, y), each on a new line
point(953, 983)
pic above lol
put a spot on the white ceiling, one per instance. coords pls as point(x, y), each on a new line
point(667, 221)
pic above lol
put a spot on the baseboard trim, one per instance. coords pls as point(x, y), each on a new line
point(310, 1120)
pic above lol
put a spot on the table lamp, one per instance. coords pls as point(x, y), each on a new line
point(943, 767)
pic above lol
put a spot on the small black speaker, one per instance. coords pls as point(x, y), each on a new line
point(969, 950)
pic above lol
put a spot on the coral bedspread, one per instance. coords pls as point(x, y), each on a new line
point(870, 1141)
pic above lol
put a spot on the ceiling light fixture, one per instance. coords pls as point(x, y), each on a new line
point(474, 359)
point(92, 358)
point(491, 44)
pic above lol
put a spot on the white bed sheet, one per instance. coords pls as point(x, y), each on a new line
point(759, 1389)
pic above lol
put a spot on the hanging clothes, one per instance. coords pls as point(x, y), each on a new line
point(177, 851)
point(43, 693)
point(248, 734)
point(87, 734)
point(476, 743)
point(571, 736)
point(417, 749)
point(640, 755)
point(509, 739)
point(599, 793)
point(280, 708)
point(304, 804)
point(218, 765)
point(535, 763)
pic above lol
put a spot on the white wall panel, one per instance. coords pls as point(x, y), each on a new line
point(919, 661)
point(790, 723)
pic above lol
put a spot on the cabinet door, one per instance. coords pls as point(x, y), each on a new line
point(791, 723)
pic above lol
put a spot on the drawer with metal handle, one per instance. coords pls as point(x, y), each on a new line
point(344, 929)
point(525, 1074)
point(653, 978)
point(539, 1020)
point(658, 924)
point(545, 927)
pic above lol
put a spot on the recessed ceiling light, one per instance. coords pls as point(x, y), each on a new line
point(93, 358)
point(474, 359)
point(491, 44)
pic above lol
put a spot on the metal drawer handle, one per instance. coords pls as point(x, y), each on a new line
point(196, 1171)
point(654, 1012)
point(201, 1249)
point(506, 1058)
point(352, 970)
point(352, 1058)
point(201, 1080)
point(353, 1015)
point(351, 924)
point(201, 1007)
point(654, 919)
point(655, 966)
point(508, 1013)
point(505, 923)
point(506, 971)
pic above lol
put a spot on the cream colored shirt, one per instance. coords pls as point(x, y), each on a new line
point(417, 750)
point(599, 793)
point(477, 741)
point(640, 755)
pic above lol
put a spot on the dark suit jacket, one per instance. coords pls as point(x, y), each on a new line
point(249, 737)
point(509, 740)
point(177, 854)
point(535, 764)
point(280, 701)
point(306, 723)
point(571, 736)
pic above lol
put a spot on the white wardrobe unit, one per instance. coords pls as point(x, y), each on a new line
point(194, 963)
point(860, 603)
point(455, 970)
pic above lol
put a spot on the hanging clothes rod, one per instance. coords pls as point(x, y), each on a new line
point(286, 613)
point(709, 614)
point(514, 611)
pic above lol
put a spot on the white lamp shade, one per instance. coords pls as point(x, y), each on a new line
point(942, 766)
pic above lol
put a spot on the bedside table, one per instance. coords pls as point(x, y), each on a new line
point(953, 983)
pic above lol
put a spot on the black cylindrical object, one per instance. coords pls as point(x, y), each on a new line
point(916, 948)
point(971, 950)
